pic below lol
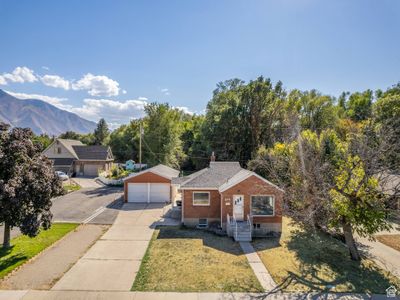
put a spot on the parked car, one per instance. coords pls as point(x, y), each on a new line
point(62, 175)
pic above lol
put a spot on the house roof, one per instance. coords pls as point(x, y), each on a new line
point(161, 170)
point(68, 144)
point(220, 175)
point(212, 177)
point(96, 152)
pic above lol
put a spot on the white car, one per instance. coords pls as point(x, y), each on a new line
point(62, 175)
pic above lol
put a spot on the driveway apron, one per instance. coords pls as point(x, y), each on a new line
point(112, 263)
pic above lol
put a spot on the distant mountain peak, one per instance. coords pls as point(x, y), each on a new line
point(40, 116)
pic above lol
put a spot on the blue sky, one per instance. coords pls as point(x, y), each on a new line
point(107, 58)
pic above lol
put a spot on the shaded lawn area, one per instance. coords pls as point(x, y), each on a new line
point(190, 260)
point(391, 240)
point(303, 261)
point(23, 247)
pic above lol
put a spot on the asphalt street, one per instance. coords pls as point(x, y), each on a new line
point(94, 205)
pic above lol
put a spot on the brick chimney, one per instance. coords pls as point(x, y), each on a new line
point(212, 156)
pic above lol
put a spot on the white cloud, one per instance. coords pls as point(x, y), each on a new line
point(113, 111)
point(97, 85)
point(124, 92)
point(55, 81)
point(165, 92)
point(45, 68)
point(185, 109)
point(56, 101)
point(20, 74)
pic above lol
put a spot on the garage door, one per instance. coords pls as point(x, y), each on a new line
point(159, 192)
point(91, 170)
point(153, 192)
point(137, 192)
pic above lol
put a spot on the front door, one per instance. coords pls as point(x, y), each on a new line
point(238, 207)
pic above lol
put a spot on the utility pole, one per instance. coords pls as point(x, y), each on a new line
point(140, 145)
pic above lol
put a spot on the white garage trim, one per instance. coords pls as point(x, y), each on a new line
point(148, 192)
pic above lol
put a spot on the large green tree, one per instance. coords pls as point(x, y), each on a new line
point(124, 141)
point(162, 135)
point(27, 183)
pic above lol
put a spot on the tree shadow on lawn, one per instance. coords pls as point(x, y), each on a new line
point(318, 253)
point(10, 261)
point(209, 239)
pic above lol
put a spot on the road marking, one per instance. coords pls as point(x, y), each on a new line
point(94, 215)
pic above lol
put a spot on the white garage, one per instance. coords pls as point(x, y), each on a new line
point(149, 192)
point(151, 186)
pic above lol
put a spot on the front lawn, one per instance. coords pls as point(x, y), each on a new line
point(23, 247)
point(391, 240)
point(190, 260)
point(303, 261)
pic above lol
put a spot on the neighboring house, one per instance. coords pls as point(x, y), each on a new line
point(239, 201)
point(71, 156)
point(131, 165)
point(151, 185)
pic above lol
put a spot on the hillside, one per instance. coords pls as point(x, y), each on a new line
point(40, 116)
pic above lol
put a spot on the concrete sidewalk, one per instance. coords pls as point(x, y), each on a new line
point(258, 267)
point(52, 263)
point(89, 295)
point(112, 262)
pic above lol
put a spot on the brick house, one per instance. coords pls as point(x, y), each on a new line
point(239, 201)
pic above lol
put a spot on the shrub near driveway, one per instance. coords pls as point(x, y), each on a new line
point(190, 260)
point(304, 261)
point(24, 248)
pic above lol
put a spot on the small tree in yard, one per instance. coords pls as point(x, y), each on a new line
point(27, 184)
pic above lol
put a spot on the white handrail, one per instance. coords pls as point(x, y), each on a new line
point(249, 223)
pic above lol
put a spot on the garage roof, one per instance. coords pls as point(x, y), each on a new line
point(161, 170)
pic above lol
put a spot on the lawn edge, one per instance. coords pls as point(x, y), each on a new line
point(40, 252)
point(144, 260)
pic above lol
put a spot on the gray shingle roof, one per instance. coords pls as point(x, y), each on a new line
point(68, 144)
point(212, 177)
point(96, 152)
point(161, 170)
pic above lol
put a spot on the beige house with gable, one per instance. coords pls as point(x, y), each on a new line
point(73, 157)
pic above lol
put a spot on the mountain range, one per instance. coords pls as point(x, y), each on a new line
point(40, 116)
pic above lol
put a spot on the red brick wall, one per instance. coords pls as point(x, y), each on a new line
point(252, 186)
point(193, 211)
point(144, 178)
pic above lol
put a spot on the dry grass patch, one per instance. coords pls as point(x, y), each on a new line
point(391, 240)
point(304, 261)
point(190, 260)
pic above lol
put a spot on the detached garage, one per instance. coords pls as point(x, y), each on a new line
point(151, 185)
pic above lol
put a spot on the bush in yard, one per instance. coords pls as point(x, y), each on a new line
point(27, 184)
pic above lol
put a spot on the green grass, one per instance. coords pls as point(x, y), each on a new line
point(23, 247)
point(307, 261)
point(68, 188)
point(190, 260)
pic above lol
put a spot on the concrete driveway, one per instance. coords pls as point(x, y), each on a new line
point(112, 262)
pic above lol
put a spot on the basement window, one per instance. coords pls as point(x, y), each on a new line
point(256, 226)
point(203, 223)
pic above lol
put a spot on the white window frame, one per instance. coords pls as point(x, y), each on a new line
point(202, 192)
point(273, 205)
